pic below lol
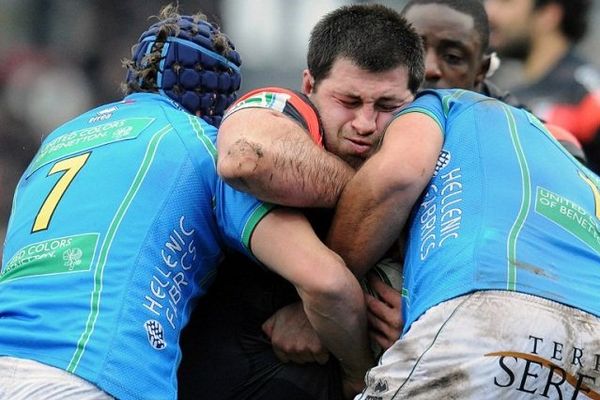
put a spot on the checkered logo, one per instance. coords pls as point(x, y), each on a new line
point(156, 334)
point(442, 161)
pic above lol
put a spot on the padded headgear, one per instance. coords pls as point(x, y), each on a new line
point(190, 71)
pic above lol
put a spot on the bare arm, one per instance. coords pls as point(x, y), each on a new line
point(269, 155)
point(331, 295)
point(377, 202)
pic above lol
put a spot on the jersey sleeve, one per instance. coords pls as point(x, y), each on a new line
point(238, 214)
point(294, 105)
point(431, 103)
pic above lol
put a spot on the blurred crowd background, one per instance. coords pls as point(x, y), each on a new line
point(62, 57)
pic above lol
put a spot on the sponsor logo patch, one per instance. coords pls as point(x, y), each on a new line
point(442, 161)
point(156, 334)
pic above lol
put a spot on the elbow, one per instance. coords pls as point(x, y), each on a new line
point(239, 162)
point(333, 288)
point(231, 173)
point(229, 169)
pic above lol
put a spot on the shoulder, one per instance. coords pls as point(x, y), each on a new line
point(491, 90)
point(291, 103)
point(443, 104)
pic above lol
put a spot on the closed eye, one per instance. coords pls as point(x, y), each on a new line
point(388, 107)
point(349, 102)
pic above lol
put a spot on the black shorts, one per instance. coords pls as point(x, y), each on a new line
point(226, 355)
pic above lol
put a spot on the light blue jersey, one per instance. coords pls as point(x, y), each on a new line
point(507, 208)
point(117, 226)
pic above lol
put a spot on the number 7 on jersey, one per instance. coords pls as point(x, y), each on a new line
point(71, 166)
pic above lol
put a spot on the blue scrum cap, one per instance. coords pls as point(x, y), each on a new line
point(190, 70)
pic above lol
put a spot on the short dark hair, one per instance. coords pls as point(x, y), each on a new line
point(474, 8)
point(372, 36)
point(575, 18)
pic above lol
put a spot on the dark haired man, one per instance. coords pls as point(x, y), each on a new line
point(455, 34)
point(559, 85)
point(120, 221)
point(456, 38)
point(364, 63)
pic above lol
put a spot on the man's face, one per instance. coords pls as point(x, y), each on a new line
point(355, 106)
point(510, 24)
point(454, 58)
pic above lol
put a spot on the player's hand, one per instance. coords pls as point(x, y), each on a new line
point(293, 337)
point(384, 314)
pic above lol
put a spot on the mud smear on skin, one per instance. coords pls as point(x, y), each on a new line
point(248, 149)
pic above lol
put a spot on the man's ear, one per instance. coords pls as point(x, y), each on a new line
point(549, 17)
point(308, 82)
point(484, 68)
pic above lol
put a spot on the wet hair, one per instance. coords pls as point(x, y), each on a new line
point(575, 18)
point(372, 36)
point(187, 59)
point(473, 8)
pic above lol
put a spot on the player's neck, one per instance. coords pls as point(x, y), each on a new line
point(546, 51)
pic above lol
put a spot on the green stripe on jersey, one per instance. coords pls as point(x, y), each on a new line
point(448, 98)
point(406, 295)
point(106, 244)
point(257, 215)
point(513, 235)
point(425, 112)
point(208, 144)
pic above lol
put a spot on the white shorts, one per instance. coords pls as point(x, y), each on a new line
point(492, 345)
point(22, 379)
